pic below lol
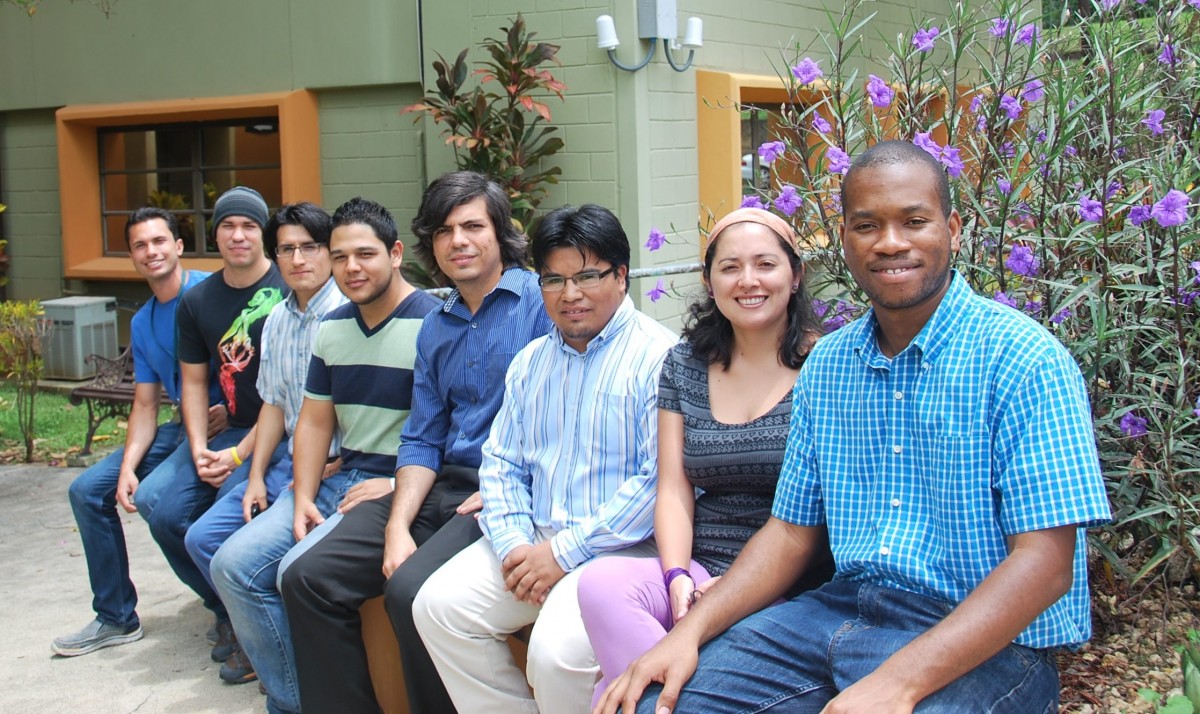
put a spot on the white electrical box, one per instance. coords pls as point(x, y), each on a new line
point(81, 326)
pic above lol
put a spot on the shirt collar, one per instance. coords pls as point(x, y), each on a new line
point(933, 336)
point(622, 317)
point(511, 281)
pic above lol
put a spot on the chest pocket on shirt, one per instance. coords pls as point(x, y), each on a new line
point(614, 426)
point(497, 367)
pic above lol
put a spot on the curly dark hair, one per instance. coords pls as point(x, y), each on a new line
point(711, 334)
point(452, 190)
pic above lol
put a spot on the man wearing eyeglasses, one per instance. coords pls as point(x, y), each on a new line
point(297, 237)
point(569, 473)
point(388, 545)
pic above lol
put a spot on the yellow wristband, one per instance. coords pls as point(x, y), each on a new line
point(237, 460)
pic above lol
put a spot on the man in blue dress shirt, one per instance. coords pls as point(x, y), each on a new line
point(944, 442)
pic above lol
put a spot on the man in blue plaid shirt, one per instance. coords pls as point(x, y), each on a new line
point(943, 444)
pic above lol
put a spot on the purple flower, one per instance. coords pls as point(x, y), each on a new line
point(1071, 151)
point(788, 200)
point(1033, 91)
point(656, 239)
point(1022, 261)
point(658, 292)
point(923, 39)
point(837, 160)
point(1195, 265)
point(981, 123)
point(1028, 34)
point(1194, 3)
point(1000, 27)
point(807, 71)
point(770, 151)
point(1004, 299)
point(1109, 4)
point(1041, 137)
point(1090, 209)
point(1032, 307)
point(880, 93)
point(1167, 55)
point(1022, 211)
point(1003, 187)
point(1114, 187)
point(1186, 297)
point(951, 160)
point(820, 125)
point(1133, 425)
point(1196, 411)
point(1011, 106)
point(752, 201)
point(1139, 214)
point(843, 313)
point(1061, 316)
point(1007, 150)
point(976, 103)
point(929, 145)
point(1172, 210)
point(820, 307)
point(1154, 119)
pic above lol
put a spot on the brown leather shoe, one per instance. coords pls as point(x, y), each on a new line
point(237, 669)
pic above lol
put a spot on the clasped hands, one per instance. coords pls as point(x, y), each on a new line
point(530, 571)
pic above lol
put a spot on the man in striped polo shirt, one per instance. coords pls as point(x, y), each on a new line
point(359, 385)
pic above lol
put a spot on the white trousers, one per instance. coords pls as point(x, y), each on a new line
point(465, 615)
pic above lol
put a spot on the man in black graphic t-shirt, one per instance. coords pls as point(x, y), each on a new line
point(219, 324)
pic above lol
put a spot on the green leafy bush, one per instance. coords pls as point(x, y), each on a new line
point(22, 327)
point(1074, 159)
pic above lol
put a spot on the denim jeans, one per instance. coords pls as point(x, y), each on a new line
point(93, 497)
point(224, 517)
point(172, 497)
point(796, 656)
point(244, 571)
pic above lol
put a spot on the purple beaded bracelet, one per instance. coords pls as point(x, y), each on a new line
point(674, 573)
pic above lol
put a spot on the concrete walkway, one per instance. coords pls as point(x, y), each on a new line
point(44, 592)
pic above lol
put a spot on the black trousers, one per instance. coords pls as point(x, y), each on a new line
point(324, 588)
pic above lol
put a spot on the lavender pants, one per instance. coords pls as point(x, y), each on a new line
point(626, 610)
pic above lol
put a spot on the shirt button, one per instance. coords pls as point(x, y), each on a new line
point(885, 550)
point(897, 449)
point(474, 325)
point(895, 503)
point(899, 395)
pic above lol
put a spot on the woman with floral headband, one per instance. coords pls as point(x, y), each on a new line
point(725, 402)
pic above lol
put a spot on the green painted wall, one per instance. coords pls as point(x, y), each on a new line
point(69, 53)
point(29, 176)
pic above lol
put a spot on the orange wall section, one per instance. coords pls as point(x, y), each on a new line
point(79, 165)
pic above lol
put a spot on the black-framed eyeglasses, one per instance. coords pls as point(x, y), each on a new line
point(583, 280)
point(308, 250)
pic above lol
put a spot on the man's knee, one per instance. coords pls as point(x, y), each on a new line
point(87, 491)
point(196, 541)
point(553, 653)
point(399, 594)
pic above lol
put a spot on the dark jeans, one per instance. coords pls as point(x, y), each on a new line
point(796, 656)
point(324, 588)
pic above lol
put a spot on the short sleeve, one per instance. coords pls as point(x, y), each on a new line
point(318, 384)
point(798, 498)
point(668, 387)
point(190, 341)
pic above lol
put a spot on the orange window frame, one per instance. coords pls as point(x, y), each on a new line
point(79, 165)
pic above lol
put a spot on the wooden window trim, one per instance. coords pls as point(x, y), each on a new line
point(79, 165)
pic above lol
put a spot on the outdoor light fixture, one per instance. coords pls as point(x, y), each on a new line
point(657, 20)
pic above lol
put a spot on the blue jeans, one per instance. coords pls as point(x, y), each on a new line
point(93, 497)
point(172, 497)
point(796, 656)
point(210, 530)
point(244, 572)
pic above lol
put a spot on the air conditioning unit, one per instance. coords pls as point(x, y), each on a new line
point(81, 326)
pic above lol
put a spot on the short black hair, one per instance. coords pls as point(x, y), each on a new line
point(896, 151)
point(370, 214)
point(149, 213)
point(586, 228)
point(309, 216)
point(452, 190)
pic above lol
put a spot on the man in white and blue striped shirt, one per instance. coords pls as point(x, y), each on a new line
point(569, 473)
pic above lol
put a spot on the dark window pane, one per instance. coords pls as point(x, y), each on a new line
point(268, 182)
point(163, 147)
point(126, 192)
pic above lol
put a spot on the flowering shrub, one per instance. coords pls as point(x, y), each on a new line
point(1074, 158)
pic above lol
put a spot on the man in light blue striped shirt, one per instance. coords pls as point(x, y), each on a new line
point(569, 473)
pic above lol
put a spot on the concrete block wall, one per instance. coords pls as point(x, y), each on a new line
point(29, 177)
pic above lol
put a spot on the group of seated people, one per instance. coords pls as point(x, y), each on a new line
point(755, 518)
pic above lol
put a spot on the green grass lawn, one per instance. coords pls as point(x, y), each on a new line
point(59, 428)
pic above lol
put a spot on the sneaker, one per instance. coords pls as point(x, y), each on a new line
point(226, 642)
point(237, 669)
point(94, 636)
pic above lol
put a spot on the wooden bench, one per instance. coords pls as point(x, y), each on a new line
point(383, 656)
point(109, 394)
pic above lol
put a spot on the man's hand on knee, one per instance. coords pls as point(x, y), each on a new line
point(398, 545)
point(671, 662)
point(530, 580)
